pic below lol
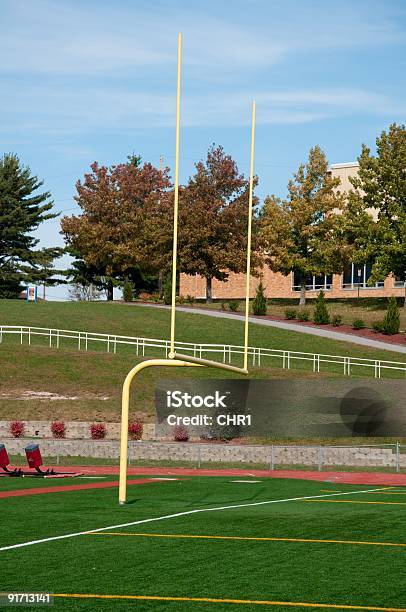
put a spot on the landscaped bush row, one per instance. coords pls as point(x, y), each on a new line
point(321, 316)
point(98, 431)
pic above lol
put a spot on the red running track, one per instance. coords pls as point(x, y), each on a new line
point(367, 478)
point(64, 488)
point(358, 478)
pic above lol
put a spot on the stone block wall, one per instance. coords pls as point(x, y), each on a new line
point(268, 455)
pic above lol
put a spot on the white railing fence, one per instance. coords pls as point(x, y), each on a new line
point(318, 362)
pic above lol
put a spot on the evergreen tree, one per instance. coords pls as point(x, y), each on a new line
point(168, 290)
point(21, 212)
point(321, 315)
point(391, 322)
point(128, 289)
point(259, 303)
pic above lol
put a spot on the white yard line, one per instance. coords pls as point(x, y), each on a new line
point(178, 514)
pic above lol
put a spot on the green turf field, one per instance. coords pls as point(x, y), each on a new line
point(231, 545)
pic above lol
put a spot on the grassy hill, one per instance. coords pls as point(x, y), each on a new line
point(93, 376)
point(133, 320)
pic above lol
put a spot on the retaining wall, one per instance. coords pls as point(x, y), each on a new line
point(205, 453)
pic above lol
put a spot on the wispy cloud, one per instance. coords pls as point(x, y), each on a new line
point(82, 38)
point(61, 111)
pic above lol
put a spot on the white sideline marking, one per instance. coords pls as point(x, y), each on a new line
point(169, 516)
point(245, 481)
point(93, 477)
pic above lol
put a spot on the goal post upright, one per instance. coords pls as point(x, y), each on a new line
point(249, 232)
point(176, 201)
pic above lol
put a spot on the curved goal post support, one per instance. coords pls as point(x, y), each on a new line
point(125, 408)
point(179, 361)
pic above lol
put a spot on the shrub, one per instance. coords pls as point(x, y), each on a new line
point(391, 321)
point(180, 299)
point(303, 315)
point(144, 296)
point(377, 326)
point(58, 429)
point(128, 289)
point(290, 313)
point(155, 297)
point(233, 306)
point(358, 324)
point(321, 315)
point(180, 434)
point(135, 430)
point(223, 305)
point(259, 303)
point(336, 320)
point(167, 297)
point(98, 431)
point(190, 299)
point(17, 429)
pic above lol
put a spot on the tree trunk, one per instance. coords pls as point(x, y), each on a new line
point(209, 295)
point(161, 283)
point(110, 290)
point(302, 299)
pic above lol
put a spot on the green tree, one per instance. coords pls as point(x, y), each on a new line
point(376, 213)
point(22, 210)
point(167, 290)
point(321, 314)
point(304, 233)
point(391, 322)
point(128, 289)
point(214, 219)
point(259, 303)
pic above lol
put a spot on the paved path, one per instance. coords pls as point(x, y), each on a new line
point(315, 331)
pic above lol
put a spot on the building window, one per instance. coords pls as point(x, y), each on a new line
point(357, 275)
point(400, 281)
point(313, 282)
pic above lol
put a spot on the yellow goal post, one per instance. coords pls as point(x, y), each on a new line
point(176, 359)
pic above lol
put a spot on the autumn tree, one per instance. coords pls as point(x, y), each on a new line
point(376, 213)
point(22, 210)
point(214, 219)
point(304, 233)
point(110, 234)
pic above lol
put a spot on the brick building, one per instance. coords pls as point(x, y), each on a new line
point(354, 278)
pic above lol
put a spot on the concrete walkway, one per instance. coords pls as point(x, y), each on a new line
point(314, 331)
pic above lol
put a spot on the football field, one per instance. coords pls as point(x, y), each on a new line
point(205, 543)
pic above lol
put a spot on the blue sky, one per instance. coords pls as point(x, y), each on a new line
point(86, 80)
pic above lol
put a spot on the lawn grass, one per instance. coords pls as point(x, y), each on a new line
point(93, 375)
point(133, 320)
point(325, 573)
